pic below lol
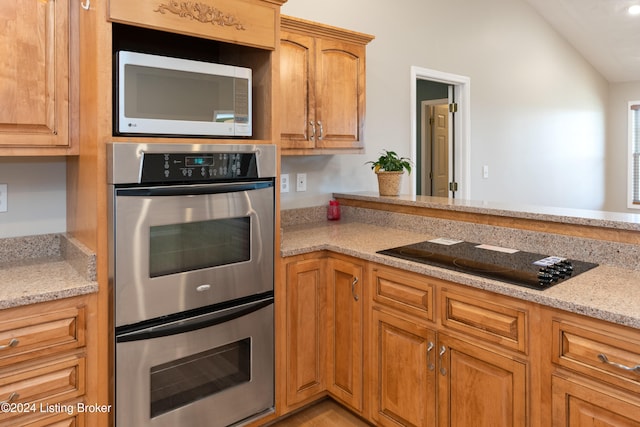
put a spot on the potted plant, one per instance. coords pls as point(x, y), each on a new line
point(389, 168)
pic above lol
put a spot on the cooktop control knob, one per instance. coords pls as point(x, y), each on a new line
point(545, 278)
point(555, 272)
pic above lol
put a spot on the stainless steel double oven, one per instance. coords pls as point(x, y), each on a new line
point(191, 270)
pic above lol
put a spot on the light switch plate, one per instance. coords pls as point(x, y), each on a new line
point(3, 197)
point(301, 182)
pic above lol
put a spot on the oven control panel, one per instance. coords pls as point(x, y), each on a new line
point(197, 167)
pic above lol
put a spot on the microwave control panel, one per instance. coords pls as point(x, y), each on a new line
point(197, 167)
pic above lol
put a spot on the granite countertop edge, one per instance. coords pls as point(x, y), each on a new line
point(603, 293)
point(614, 220)
point(42, 268)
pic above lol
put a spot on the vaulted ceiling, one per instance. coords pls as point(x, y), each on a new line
point(601, 30)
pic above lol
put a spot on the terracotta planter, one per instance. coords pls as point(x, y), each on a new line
point(389, 183)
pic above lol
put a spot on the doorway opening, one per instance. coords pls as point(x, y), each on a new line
point(429, 153)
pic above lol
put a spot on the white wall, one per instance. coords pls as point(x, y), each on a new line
point(36, 196)
point(538, 109)
point(617, 144)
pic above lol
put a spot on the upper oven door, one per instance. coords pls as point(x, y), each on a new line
point(184, 247)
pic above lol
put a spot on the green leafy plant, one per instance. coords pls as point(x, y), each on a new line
point(389, 161)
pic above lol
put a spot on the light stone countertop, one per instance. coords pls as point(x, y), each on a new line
point(615, 220)
point(44, 268)
point(605, 292)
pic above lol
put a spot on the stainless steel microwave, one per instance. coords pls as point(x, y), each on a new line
point(160, 95)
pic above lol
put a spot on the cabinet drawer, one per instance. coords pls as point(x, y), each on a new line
point(46, 384)
point(67, 416)
point(411, 293)
point(599, 353)
point(247, 22)
point(577, 402)
point(41, 334)
point(498, 322)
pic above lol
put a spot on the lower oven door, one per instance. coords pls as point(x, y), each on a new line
point(214, 370)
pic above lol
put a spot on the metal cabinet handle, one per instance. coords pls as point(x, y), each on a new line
point(13, 396)
point(321, 131)
point(353, 289)
point(313, 130)
point(430, 365)
point(14, 342)
point(605, 359)
point(86, 5)
point(441, 353)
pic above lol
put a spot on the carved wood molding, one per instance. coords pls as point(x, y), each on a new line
point(200, 12)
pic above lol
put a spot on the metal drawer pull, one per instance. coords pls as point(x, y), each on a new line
point(603, 358)
point(14, 342)
point(13, 396)
point(321, 131)
point(430, 346)
point(353, 289)
point(443, 350)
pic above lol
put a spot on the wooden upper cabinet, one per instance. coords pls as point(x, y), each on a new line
point(36, 90)
point(322, 88)
point(245, 22)
point(297, 97)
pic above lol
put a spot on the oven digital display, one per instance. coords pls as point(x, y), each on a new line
point(191, 161)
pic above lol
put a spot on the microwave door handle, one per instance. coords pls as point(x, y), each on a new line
point(194, 324)
point(193, 189)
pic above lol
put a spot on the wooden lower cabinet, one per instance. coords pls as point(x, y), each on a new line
point(47, 363)
point(403, 372)
point(403, 349)
point(345, 331)
point(475, 386)
point(479, 387)
point(305, 329)
point(580, 403)
point(431, 370)
point(595, 380)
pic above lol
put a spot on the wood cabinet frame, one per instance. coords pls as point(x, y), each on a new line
point(323, 88)
point(40, 111)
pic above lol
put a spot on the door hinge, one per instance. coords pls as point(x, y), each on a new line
point(453, 107)
point(453, 186)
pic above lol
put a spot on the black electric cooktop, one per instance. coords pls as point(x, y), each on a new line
point(521, 268)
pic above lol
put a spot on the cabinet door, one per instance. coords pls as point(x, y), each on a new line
point(34, 74)
point(297, 99)
point(306, 319)
point(340, 94)
point(577, 404)
point(345, 315)
point(479, 388)
point(403, 372)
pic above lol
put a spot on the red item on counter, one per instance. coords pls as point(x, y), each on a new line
point(333, 210)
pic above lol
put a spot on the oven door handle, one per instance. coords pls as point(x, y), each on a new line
point(194, 323)
point(188, 190)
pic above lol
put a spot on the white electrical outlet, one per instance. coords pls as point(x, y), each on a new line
point(485, 171)
point(3, 197)
point(284, 183)
point(301, 182)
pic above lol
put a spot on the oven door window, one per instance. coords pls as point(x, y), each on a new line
point(177, 248)
point(183, 381)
